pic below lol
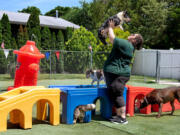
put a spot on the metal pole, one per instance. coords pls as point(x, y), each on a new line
point(50, 65)
point(158, 67)
point(171, 52)
point(91, 50)
point(143, 50)
point(91, 59)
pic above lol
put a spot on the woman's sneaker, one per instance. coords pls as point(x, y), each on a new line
point(118, 120)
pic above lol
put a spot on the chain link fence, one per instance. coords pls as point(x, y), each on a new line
point(56, 62)
point(153, 63)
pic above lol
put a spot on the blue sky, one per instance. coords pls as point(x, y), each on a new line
point(43, 5)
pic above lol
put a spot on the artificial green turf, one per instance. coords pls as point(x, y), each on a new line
point(140, 124)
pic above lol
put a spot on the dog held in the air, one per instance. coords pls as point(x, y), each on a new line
point(118, 20)
point(79, 112)
point(96, 75)
point(160, 97)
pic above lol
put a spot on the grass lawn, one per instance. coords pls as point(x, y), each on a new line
point(140, 124)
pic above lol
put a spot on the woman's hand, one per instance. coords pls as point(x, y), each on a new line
point(111, 32)
point(111, 24)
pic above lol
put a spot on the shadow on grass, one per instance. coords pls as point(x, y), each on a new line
point(3, 90)
point(151, 82)
point(155, 114)
point(145, 115)
point(34, 122)
point(13, 126)
point(104, 122)
point(98, 118)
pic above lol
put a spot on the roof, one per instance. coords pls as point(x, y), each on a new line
point(51, 22)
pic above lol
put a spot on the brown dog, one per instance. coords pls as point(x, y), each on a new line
point(162, 96)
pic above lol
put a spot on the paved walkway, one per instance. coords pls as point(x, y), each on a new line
point(170, 83)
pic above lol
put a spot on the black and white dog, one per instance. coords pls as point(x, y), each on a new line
point(118, 20)
point(96, 75)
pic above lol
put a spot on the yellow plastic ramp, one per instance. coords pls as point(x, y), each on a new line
point(19, 103)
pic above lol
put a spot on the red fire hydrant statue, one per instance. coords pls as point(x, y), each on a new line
point(27, 67)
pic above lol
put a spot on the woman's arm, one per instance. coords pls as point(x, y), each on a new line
point(111, 32)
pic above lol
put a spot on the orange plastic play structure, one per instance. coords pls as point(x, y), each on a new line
point(18, 103)
point(27, 67)
point(134, 93)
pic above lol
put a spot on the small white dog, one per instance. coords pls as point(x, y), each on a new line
point(96, 75)
point(79, 112)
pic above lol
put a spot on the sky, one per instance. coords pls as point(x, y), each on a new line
point(43, 5)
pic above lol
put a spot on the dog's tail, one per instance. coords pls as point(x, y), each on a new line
point(91, 106)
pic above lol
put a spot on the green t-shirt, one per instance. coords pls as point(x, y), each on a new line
point(120, 57)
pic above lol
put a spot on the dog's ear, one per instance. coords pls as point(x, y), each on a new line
point(125, 12)
point(91, 70)
point(88, 71)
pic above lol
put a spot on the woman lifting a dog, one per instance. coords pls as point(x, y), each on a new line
point(117, 70)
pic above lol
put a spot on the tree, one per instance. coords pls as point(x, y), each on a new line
point(98, 14)
point(53, 41)
point(33, 28)
point(171, 37)
point(60, 41)
point(80, 16)
point(3, 62)
point(171, 3)
point(173, 30)
point(26, 36)
point(84, 16)
point(6, 31)
point(20, 37)
point(6, 38)
point(150, 21)
point(71, 15)
point(30, 10)
point(62, 11)
point(2, 57)
point(14, 44)
point(0, 33)
point(68, 33)
point(46, 45)
point(46, 39)
point(81, 39)
point(60, 46)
